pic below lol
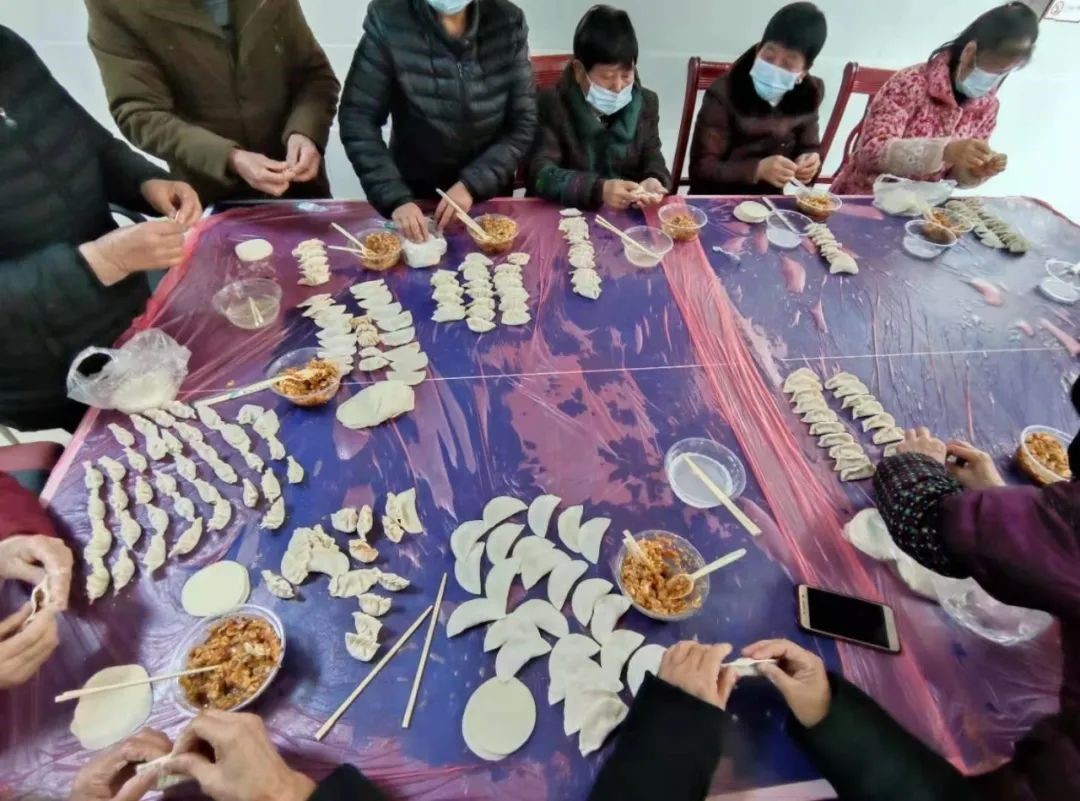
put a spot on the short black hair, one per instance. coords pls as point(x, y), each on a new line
point(1008, 30)
point(606, 35)
point(800, 27)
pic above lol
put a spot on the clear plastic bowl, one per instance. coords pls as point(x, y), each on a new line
point(682, 222)
point(652, 238)
point(1032, 466)
point(298, 359)
point(950, 220)
point(717, 462)
point(817, 204)
point(383, 261)
point(780, 234)
point(690, 560)
point(198, 634)
point(492, 245)
point(251, 303)
point(921, 239)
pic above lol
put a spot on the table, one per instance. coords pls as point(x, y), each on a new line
point(584, 403)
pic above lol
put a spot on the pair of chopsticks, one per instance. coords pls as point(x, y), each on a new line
point(721, 496)
point(361, 248)
point(768, 202)
point(432, 610)
point(250, 389)
point(462, 215)
point(72, 695)
point(626, 238)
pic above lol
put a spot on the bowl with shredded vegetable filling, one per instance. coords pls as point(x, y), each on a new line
point(307, 380)
point(1043, 455)
point(648, 584)
point(501, 232)
point(248, 643)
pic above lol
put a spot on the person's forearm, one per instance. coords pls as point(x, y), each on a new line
point(21, 511)
point(347, 783)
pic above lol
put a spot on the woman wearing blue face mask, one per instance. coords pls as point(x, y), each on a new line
point(934, 120)
point(599, 140)
point(758, 125)
point(454, 78)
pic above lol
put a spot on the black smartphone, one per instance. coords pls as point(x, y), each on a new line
point(845, 617)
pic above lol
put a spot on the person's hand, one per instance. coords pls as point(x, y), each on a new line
point(920, 440)
point(995, 166)
point(260, 173)
point(807, 166)
point(975, 469)
point(698, 670)
point(445, 213)
point(653, 187)
point(33, 558)
point(245, 767)
point(174, 199)
point(302, 159)
point(411, 222)
point(620, 194)
point(155, 245)
point(968, 154)
point(776, 171)
point(24, 650)
point(799, 676)
point(111, 776)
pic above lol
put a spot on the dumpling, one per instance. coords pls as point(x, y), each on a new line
point(184, 507)
point(295, 473)
point(374, 605)
point(159, 518)
point(136, 460)
point(113, 469)
point(130, 530)
point(144, 493)
point(97, 579)
point(155, 554)
point(189, 540)
point(92, 477)
point(251, 494)
point(275, 516)
point(392, 582)
point(253, 461)
point(271, 487)
point(278, 586)
point(353, 583)
point(207, 491)
point(224, 472)
point(222, 515)
point(268, 425)
point(361, 551)
point(123, 570)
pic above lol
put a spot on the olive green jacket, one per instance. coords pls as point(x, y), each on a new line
point(179, 90)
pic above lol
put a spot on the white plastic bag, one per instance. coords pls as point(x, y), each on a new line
point(144, 373)
point(903, 197)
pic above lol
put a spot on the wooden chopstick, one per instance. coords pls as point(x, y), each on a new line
point(721, 496)
point(717, 564)
point(633, 547)
point(363, 248)
point(71, 695)
point(407, 719)
point(463, 216)
point(768, 202)
point(354, 251)
point(625, 237)
point(370, 676)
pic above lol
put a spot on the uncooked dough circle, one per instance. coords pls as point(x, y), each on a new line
point(499, 718)
point(750, 211)
point(254, 250)
point(216, 589)
point(102, 719)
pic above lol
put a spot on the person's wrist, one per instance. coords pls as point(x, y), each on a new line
point(107, 272)
point(234, 159)
point(296, 787)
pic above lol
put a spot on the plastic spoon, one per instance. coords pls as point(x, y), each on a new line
point(682, 584)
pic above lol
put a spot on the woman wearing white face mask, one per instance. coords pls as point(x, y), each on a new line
point(599, 141)
point(758, 125)
point(934, 120)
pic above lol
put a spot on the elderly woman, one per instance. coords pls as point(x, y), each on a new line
point(599, 137)
point(455, 80)
point(934, 120)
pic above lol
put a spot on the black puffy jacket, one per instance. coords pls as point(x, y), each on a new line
point(462, 110)
point(59, 170)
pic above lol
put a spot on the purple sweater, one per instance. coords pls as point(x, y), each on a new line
point(1022, 545)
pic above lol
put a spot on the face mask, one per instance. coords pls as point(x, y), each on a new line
point(607, 102)
point(448, 6)
point(771, 82)
point(980, 83)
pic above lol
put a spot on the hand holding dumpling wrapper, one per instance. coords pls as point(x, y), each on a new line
point(144, 373)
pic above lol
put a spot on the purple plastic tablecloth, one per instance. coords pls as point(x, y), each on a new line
point(583, 403)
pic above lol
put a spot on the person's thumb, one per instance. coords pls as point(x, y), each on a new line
point(781, 680)
point(195, 766)
point(138, 785)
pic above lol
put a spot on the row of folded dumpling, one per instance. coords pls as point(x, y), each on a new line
point(584, 278)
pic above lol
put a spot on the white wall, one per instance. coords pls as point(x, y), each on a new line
point(1040, 105)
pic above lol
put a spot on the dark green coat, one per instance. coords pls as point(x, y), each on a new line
point(576, 151)
point(59, 170)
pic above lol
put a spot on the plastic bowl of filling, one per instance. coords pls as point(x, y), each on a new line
point(1043, 454)
point(645, 585)
point(251, 303)
point(817, 204)
point(717, 462)
point(682, 223)
point(948, 219)
point(778, 232)
point(305, 390)
point(383, 247)
point(249, 640)
point(926, 240)
point(501, 233)
point(655, 242)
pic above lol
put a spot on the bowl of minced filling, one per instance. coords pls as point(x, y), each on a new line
point(247, 643)
point(1043, 456)
point(649, 583)
point(306, 379)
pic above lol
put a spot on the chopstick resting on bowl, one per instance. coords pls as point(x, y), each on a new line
point(72, 695)
point(627, 238)
point(462, 215)
point(721, 496)
point(367, 254)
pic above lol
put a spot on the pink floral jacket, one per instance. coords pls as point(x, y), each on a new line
point(908, 125)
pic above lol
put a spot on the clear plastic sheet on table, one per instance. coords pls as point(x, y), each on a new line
point(583, 403)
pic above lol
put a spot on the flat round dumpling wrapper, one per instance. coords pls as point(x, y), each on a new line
point(104, 719)
point(216, 589)
point(499, 718)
